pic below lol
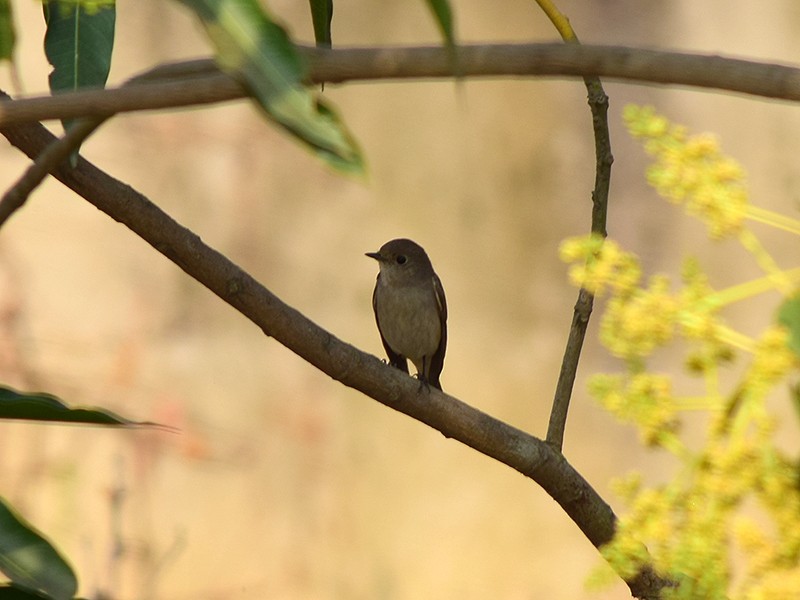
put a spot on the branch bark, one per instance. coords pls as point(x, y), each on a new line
point(455, 419)
point(199, 82)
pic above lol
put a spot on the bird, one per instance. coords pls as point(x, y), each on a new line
point(410, 309)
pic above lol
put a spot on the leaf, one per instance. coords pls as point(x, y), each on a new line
point(78, 43)
point(322, 16)
point(30, 561)
point(8, 36)
point(789, 317)
point(444, 19)
point(252, 47)
point(13, 592)
point(44, 407)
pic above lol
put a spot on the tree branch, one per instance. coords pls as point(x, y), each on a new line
point(352, 367)
point(58, 151)
point(53, 155)
point(598, 104)
point(199, 82)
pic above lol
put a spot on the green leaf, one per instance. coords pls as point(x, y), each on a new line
point(30, 561)
point(78, 42)
point(13, 592)
point(322, 16)
point(252, 47)
point(8, 36)
point(44, 407)
point(789, 317)
point(444, 19)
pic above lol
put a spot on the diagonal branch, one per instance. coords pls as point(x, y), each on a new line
point(455, 419)
point(206, 85)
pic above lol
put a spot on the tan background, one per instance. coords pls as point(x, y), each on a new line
point(282, 483)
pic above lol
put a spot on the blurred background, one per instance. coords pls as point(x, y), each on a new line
point(282, 483)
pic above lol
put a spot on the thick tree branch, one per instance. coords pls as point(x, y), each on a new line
point(199, 82)
point(455, 419)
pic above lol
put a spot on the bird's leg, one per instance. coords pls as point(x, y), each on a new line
point(398, 361)
point(422, 375)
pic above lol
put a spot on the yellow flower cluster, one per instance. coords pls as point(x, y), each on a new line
point(635, 325)
point(691, 523)
point(600, 265)
point(638, 319)
point(772, 361)
point(728, 524)
point(692, 170)
point(645, 400)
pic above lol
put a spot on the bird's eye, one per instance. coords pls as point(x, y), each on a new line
point(401, 260)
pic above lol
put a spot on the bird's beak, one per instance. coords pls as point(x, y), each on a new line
point(376, 255)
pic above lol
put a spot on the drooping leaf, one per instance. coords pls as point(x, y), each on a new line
point(789, 317)
point(322, 16)
point(444, 19)
point(30, 561)
point(78, 43)
point(8, 35)
point(254, 48)
point(44, 407)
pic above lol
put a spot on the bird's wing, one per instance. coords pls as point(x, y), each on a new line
point(437, 360)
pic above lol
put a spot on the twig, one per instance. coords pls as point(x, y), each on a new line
point(598, 104)
point(59, 150)
point(528, 455)
point(363, 64)
point(51, 157)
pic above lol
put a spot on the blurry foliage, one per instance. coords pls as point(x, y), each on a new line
point(31, 563)
point(252, 46)
point(8, 34)
point(727, 525)
point(736, 499)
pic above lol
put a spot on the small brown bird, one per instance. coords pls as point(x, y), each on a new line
point(410, 309)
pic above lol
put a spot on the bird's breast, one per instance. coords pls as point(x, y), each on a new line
point(409, 319)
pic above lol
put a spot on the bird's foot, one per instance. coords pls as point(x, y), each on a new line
point(423, 384)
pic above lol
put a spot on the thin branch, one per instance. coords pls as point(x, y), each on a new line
point(207, 85)
point(52, 156)
point(569, 369)
point(58, 151)
point(209, 89)
point(559, 60)
point(598, 104)
point(528, 455)
point(559, 21)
